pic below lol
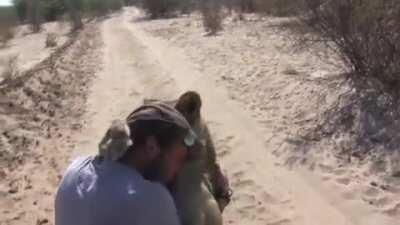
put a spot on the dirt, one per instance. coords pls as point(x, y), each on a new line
point(40, 115)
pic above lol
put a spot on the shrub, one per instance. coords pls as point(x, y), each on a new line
point(6, 33)
point(101, 7)
point(166, 8)
point(52, 9)
point(245, 5)
point(212, 16)
point(8, 21)
point(21, 8)
point(366, 35)
point(277, 7)
point(157, 8)
point(272, 7)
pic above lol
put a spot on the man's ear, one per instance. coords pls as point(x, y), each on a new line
point(152, 147)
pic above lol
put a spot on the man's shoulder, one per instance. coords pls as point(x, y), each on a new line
point(154, 193)
point(79, 162)
point(76, 165)
point(157, 201)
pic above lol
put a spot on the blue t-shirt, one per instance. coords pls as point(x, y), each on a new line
point(109, 193)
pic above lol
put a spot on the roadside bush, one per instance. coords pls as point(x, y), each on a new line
point(166, 8)
point(366, 35)
point(212, 16)
point(52, 9)
point(271, 7)
point(277, 7)
point(6, 33)
point(21, 7)
point(101, 7)
point(8, 20)
point(10, 71)
point(245, 5)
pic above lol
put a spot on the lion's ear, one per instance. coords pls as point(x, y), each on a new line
point(189, 102)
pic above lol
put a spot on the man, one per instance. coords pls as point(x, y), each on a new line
point(123, 186)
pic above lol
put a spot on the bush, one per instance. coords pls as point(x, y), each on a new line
point(277, 7)
point(166, 8)
point(8, 20)
point(101, 7)
point(6, 33)
point(52, 9)
point(21, 8)
point(272, 7)
point(245, 5)
point(212, 16)
point(366, 34)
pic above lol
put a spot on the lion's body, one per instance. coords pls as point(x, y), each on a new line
point(193, 191)
point(195, 188)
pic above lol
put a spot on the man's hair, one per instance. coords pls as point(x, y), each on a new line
point(165, 133)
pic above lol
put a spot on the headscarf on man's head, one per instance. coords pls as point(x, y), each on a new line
point(117, 140)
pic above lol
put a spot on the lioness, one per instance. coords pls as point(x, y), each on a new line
point(201, 191)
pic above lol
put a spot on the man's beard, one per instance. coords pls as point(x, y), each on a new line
point(156, 171)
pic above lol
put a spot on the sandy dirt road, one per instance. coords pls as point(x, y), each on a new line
point(137, 66)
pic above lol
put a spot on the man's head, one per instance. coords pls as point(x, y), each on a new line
point(161, 137)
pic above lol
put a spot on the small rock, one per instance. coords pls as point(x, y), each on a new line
point(13, 190)
point(374, 184)
point(319, 74)
point(42, 221)
point(385, 187)
point(3, 174)
point(396, 174)
point(290, 71)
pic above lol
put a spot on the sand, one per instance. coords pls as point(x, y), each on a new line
point(258, 95)
point(39, 116)
point(30, 48)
